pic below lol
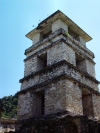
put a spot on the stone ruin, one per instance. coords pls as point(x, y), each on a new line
point(59, 92)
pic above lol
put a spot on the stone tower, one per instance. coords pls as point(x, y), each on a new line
point(59, 76)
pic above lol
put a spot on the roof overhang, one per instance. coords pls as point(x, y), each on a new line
point(51, 19)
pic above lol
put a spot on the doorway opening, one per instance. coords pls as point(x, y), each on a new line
point(40, 103)
point(87, 104)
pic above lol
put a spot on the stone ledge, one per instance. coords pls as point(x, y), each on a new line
point(56, 65)
point(53, 35)
point(41, 84)
point(55, 43)
point(55, 79)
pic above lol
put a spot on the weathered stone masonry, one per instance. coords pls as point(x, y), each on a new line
point(59, 74)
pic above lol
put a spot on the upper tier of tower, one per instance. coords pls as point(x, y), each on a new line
point(54, 22)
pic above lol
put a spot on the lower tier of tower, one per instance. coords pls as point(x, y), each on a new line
point(61, 122)
point(60, 95)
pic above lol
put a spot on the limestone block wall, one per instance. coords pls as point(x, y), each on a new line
point(42, 77)
point(30, 66)
point(79, 48)
point(96, 106)
point(38, 37)
point(90, 68)
point(55, 98)
point(55, 72)
point(69, 54)
point(73, 98)
point(82, 41)
point(56, 36)
point(63, 95)
point(25, 105)
point(77, 76)
point(56, 53)
point(59, 24)
point(44, 44)
point(60, 52)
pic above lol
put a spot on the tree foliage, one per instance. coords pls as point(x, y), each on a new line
point(9, 106)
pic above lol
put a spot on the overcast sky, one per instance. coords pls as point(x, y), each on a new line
point(17, 18)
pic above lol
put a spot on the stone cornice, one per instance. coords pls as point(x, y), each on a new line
point(55, 65)
point(63, 76)
point(42, 84)
point(56, 78)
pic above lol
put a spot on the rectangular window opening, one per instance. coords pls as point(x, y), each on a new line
point(80, 63)
point(45, 35)
point(42, 61)
point(72, 33)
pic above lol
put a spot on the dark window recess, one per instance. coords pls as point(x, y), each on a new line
point(45, 35)
point(40, 104)
point(42, 61)
point(87, 104)
point(80, 63)
point(72, 33)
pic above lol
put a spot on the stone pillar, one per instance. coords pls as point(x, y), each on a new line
point(81, 40)
point(37, 37)
point(91, 69)
point(96, 106)
point(59, 24)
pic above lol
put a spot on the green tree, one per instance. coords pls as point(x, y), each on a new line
point(10, 104)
